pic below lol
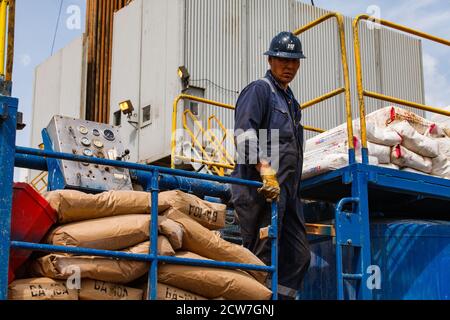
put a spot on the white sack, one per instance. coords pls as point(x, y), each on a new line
point(415, 141)
point(403, 157)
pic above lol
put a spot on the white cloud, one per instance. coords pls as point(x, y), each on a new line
point(25, 59)
point(437, 83)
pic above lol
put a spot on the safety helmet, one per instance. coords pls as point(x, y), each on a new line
point(286, 45)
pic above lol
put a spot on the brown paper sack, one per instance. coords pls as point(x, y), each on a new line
point(73, 206)
point(100, 290)
point(99, 268)
point(166, 292)
point(113, 233)
point(40, 289)
point(199, 240)
point(208, 214)
point(212, 283)
point(172, 230)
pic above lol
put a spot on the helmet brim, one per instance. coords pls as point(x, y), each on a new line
point(286, 55)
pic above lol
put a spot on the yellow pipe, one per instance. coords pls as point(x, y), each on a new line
point(175, 113)
point(195, 140)
point(322, 98)
point(314, 23)
point(3, 11)
point(359, 76)
point(209, 135)
point(403, 28)
point(224, 138)
point(359, 82)
point(346, 89)
point(313, 129)
point(208, 163)
point(406, 103)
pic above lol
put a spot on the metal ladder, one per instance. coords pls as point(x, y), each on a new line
point(353, 250)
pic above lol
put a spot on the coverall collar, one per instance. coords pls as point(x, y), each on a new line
point(270, 76)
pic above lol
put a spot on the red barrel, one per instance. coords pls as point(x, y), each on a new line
point(32, 217)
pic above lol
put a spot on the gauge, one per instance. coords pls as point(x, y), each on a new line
point(96, 133)
point(88, 152)
point(83, 130)
point(85, 142)
point(109, 135)
point(98, 144)
point(100, 155)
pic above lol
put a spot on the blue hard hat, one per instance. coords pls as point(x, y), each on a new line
point(286, 45)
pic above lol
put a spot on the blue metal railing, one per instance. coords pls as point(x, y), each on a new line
point(152, 176)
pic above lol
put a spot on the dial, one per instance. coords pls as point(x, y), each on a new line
point(85, 142)
point(100, 155)
point(109, 135)
point(96, 133)
point(98, 144)
point(88, 152)
point(83, 130)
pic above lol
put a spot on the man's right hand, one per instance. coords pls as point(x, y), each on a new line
point(271, 188)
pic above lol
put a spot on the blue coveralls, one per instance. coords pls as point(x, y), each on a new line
point(266, 105)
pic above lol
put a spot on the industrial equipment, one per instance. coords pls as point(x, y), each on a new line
point(90, 139)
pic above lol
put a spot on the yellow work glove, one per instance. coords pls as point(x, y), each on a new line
point(271, 188)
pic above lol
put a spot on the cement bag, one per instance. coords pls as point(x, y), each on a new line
point(166, 293)
point(403, 157)
point(331, 137)
point(172, 230)
point(103, 291)
point(382, 135)
point(208, 214)
point(390, 166)
point(113, 233)
point(381, 152)
point(436, 131)
point(441, 167)
point(73, 206)
point(414, 141)
point(40, 289)
point(58, 266)
point(444, 146)
point(206, 243)
point(411, 170)
point(212, 283)
point(333, 148)
point(329, 163)
point(388, 115)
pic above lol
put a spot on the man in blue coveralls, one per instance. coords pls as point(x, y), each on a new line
point(267, 111)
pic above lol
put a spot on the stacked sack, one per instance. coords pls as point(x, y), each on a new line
point(120, 221)
point(397, 139)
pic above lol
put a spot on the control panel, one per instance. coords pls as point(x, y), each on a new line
point(89, 139)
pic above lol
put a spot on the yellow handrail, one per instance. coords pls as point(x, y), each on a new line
point(211, 137)
point(3, 11)
point(195, 140)
point(209, 129)
point(40, 178)
point(174, 126)
point(359, 77)
point(341, 30)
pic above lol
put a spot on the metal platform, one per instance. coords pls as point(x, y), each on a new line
point(151, 178)
point(392, 192)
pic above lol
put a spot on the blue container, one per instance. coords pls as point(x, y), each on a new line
point(413, 256)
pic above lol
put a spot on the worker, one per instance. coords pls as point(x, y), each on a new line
point(267, 111)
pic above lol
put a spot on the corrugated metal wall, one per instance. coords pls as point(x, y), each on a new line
point(225, 42)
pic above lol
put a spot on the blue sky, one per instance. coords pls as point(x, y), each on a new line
point(35, 27)
point(36, 20)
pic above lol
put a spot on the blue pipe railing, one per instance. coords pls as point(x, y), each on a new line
point(152, 177)
point(166, 182)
